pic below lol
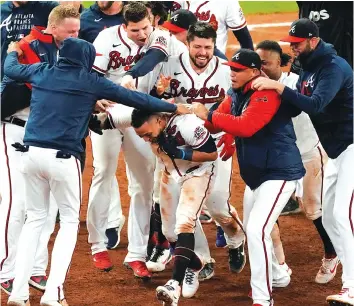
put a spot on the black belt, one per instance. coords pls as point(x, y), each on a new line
point(16, 121)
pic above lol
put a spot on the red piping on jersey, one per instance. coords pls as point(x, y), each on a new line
point(209, 77)
point(99, 69)
point(185, 70)
point(123, 41)
point(322, 171)
point(238, 27)
point(350, 212)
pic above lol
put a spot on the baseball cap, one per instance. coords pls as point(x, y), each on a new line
point(301, 30)
point(244, 59)
point(180, 21)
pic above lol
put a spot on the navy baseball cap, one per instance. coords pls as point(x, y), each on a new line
point(180, 21)
point(301, 30)
point(245, 59)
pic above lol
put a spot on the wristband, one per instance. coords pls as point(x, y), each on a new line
point(187, 154)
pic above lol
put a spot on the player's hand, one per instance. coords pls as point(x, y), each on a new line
point(102, 105)
point(128, 82)
point(14, 46)
point(263, 83)
point(228, 150)
point(183, 109)
point(162, 84)
point(200, 110)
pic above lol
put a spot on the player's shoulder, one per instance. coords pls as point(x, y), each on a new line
point(109, 32)
point(221, 62)
point(188, 121)
point(289, 79)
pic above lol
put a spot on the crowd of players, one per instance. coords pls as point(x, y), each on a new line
point(182, 63)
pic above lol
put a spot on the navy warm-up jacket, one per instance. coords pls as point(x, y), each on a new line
point(64, 95)
point(325, 92)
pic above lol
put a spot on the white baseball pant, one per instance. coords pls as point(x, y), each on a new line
point(43, 173)
point(338, 210)
point(12, 208)
point(261, 209)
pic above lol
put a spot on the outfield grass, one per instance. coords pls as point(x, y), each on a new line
point(254, 7)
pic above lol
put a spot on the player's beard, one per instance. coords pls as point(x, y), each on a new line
point(194, 60)
point(305, 54)
point(105, 6)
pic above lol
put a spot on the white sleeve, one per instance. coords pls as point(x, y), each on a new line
point(102, 45)
point(159, 40)
point(120, 116)
point(235, 20)
point(194, 132)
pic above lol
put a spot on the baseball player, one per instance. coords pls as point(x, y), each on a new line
point(200, 76)
point(312, 154)
point(269, 161)
point(15, 99)
point(101, 15)
point(120, 49)
point(187, 151)
point(17, 19)
point(50, 160)
point(229, 15)
point(325, 93)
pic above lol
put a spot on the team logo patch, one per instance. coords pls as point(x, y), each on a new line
point(161, 41)
point(199, 132)
point(213, 22)
point(262, 99)
point(240, 14)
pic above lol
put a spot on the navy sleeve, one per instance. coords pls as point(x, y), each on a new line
point(244, 38)
point(108, 90)
point(19, 72)
point(218, 53)
point(147, 63)
point(329, 83)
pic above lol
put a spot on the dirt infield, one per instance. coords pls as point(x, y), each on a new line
point(85, 285)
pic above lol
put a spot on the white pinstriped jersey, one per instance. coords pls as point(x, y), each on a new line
point(223, 15)
point(187, 86)
point(306, 135)
point(189, 132)
point(116, 53)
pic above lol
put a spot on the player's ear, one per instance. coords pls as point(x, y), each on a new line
point(124, 26)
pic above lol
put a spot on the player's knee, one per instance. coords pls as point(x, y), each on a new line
point(184, 224)
point(341, 216)
point(103, 170)
point(169, 233)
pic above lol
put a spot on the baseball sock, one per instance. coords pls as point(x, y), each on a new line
point(327, 243)
point(162, 241)
point(184, 252)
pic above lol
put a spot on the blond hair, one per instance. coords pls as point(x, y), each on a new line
point(60, 12)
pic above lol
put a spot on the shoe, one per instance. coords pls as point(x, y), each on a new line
point(285, 267)
point(160, 257)
point(102, 261)
point(169, 293)
point(38, 282)
point(327, 270)
point(18, 302)
point(139, 268)
point(7, 286)
point(220, 238)
point(63, 302)
point(190, 283)
point(237, 258)
point(113, 235)
point(281, 282)
point(205, 217)
point(291, 208)
point(207, 272)
point(344, 297)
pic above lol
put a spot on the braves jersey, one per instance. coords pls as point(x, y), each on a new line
point(222, 16)
point(306, 136)
point(189, 132)
point(116, 53)
point(187, 86)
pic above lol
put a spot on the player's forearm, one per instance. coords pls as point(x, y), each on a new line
point(203, 156)
point(147, 63)
point(244, 38)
